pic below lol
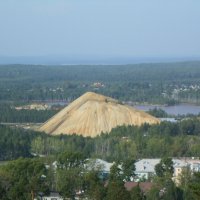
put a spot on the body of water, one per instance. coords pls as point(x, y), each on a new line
point(181, 109)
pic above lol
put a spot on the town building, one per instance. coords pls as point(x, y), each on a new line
point(51, 196)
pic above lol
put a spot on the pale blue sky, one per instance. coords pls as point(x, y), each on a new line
point(130, 28)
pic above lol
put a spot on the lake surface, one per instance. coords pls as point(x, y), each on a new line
point(181, 109)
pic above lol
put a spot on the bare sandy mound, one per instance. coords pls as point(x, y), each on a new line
point(91, 114)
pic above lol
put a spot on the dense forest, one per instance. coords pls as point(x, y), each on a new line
point(166, 83)
point(8, 114)
point(152, 141)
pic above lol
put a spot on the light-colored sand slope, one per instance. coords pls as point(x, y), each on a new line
point(91, 114)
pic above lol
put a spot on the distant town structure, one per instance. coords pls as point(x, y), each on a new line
point(98, 85)
point(33, 107)
point(51, 196)
point(168, 119)
point(98, 164)
point(145, 168)
point(144, 172)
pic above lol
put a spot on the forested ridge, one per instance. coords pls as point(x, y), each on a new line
point(163, 83)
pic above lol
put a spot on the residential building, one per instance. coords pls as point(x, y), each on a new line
point(51, 196)
point(145, 169)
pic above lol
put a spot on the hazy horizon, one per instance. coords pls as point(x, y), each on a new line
point(99, 30)
point(63, 60)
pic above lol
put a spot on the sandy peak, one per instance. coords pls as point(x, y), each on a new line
point(93, 113)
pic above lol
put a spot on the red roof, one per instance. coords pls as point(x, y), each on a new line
point(144, 186)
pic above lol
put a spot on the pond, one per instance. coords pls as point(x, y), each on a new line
point(181, 109)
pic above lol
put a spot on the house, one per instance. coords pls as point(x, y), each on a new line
point(99, 165)
point(194, 164)
point(144, 186)
point(145, 169)
point(167, 119)
point(178, 166)
point(51, 196)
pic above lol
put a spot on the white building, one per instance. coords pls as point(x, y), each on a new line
point(99, 165)
point(145, 168)
point(51, 196)
point(193, 163)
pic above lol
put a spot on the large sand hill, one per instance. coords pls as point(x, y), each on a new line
point(91, 114)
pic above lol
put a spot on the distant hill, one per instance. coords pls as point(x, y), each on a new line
point(80, 60)
point(92, 113)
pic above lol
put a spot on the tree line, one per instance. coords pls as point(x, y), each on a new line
point(10, 115)
point(25, 179)
point(164, 139)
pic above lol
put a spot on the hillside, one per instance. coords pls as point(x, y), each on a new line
point(91, 114)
